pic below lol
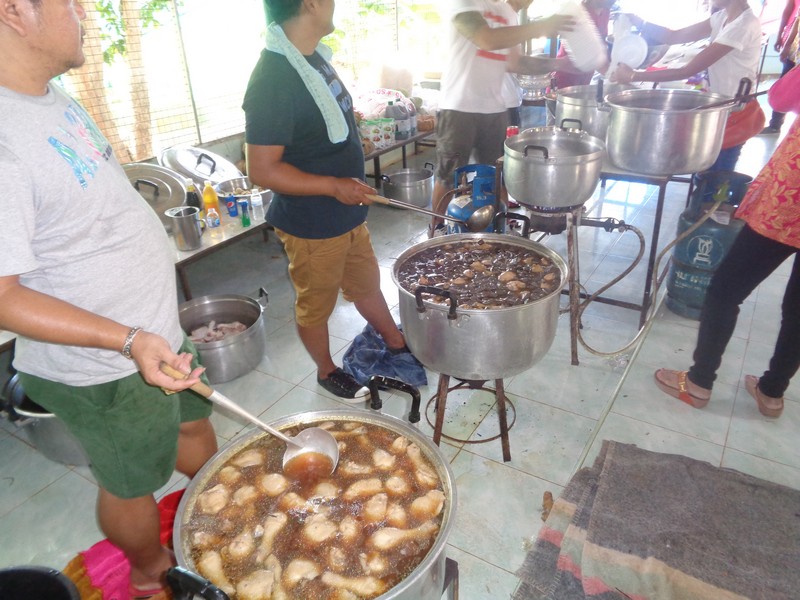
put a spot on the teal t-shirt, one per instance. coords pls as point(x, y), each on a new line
point(279, 111)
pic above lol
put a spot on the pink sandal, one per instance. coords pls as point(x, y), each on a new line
point(681, 392)
point(767, 405)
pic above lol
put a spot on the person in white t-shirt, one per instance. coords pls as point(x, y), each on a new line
point(484, 44)
point(734, 50)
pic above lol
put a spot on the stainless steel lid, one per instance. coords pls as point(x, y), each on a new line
point(199, 164)
point(162, 188)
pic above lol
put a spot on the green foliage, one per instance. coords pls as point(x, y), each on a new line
point(113, 27)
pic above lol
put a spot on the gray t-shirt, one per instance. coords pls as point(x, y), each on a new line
point(74, 228)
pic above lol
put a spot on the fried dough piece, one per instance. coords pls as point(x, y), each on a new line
point(391, 537)
point(248, 458)
point(272, 563)
point(398, 486)
point(229, 476)
point(256, 586)
point(428, 506)
point(363, 489)
point(273, 484)
point(245, 495)
point(337, 559)
point(399, 445)
point(272, 527)
point(396, 516)
point(325, 490)
point(375, 508)
point(352, 469)
point(423, 472)
point(214, 500)
point(361, 586)
point(383, 460)
point(240, 547)
point(373, 563)
point(210, 567)
point(293, 501)
point(319, 528)
point(299, 570)
point(349, 529)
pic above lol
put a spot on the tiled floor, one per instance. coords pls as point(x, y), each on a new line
point(563, 412)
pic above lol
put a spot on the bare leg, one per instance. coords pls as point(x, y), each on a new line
point(196, 444)
point(316, 342)
point(132, 524)
point(375, 310)
point(438, 204)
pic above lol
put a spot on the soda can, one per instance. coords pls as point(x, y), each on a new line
point(233, 209)
point(512, 130)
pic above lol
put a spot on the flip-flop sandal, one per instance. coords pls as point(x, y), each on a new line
point(682, 391)
point(767, 405)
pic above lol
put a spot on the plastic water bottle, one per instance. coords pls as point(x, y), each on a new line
point(412, 118)
point(399, 113)
point(212, 218)
point(257, 207)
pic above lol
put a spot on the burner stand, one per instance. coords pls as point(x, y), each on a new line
point(439, 401)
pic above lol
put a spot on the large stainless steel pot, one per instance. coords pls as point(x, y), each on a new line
point(236, 355)
point(479, 344)
point(552, 167)
point(580, 103)
point(664, 132)
point(412, 186)
point(425, 582)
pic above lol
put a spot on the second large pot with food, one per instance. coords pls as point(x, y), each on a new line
point(552, 167)
point(376, 529)
point(664, 132)
point(479, 306)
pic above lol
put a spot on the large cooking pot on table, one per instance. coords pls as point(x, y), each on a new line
point(664, 131)
point(581, 103)
point(478, 344)
point(412, 186)
point(424, 582)
point(552, 167)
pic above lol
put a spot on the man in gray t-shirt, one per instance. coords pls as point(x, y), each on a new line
point(87, 282)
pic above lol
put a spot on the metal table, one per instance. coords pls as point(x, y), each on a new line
point(229, 232)
point(375, 155)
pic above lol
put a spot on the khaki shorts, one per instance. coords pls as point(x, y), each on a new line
point(460, 134)
point(320, 268)
point(128, 428)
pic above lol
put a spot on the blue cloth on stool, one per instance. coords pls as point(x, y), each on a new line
point(368, 356)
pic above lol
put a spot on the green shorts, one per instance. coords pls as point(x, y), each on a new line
point(460, 135)
point(128, 428)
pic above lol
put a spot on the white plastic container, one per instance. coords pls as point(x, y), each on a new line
point(585, 49)
point(398, 112)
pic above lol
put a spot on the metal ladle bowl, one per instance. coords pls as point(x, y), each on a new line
point(477, 221)
point(309, 440)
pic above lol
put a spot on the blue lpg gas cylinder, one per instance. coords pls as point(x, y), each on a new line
point(481, 179)
point(695, 258)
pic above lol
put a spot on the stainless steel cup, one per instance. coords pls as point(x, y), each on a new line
point(186, 226)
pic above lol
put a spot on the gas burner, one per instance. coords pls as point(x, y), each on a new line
point(552, 210)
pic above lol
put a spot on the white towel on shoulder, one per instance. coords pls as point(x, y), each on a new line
point(315, 84)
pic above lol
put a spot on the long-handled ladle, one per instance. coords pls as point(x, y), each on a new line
point(315, 450)
point(477, 221)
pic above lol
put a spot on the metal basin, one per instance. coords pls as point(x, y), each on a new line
point(412, 186)
point(480, 344)
point(426, 580)
point(664, 132)
point(552, 167)
point(236, 355)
